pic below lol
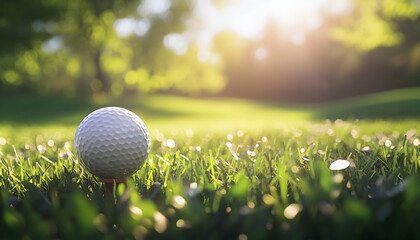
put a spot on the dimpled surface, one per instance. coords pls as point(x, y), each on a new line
point(112, 142)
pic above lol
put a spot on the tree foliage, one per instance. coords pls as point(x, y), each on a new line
point(373, 23)
point(72, 47)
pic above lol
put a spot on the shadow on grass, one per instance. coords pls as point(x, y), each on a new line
point(31, 110)
point(42, 110)
point(398, 109)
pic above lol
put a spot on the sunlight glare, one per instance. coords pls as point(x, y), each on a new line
point(339, 164)
point(170, 143)
point(53, 45)
point(249, 18)
point(260, 53)
point(338, 7)
point(149, 7)
point(142, 27)
point(124, 27)
point(176, 42)
point(298, 38)
point(292, 210)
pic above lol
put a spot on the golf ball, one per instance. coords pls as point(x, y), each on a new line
point(112, 142)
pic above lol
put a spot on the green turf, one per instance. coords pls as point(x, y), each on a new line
point(238, 170)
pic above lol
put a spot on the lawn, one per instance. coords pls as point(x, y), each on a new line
point(240, 169)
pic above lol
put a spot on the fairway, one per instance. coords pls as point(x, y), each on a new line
point(171, 114)
point(238, 168)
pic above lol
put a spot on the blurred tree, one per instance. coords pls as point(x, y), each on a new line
point(121, 46)
point(90, 42)
point(373, 48)
point(379, 36)
point(77, 32)
point(23, 22)
point(372, 23)
point(74, 47)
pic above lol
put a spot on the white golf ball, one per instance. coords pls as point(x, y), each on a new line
point(112, 143)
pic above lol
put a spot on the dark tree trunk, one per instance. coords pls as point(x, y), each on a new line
point(100, 74)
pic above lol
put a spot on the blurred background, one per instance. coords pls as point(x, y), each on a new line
point(290, 51)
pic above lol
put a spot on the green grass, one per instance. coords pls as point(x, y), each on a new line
point(237, 170)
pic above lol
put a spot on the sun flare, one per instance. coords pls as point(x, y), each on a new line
point(249, 17)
